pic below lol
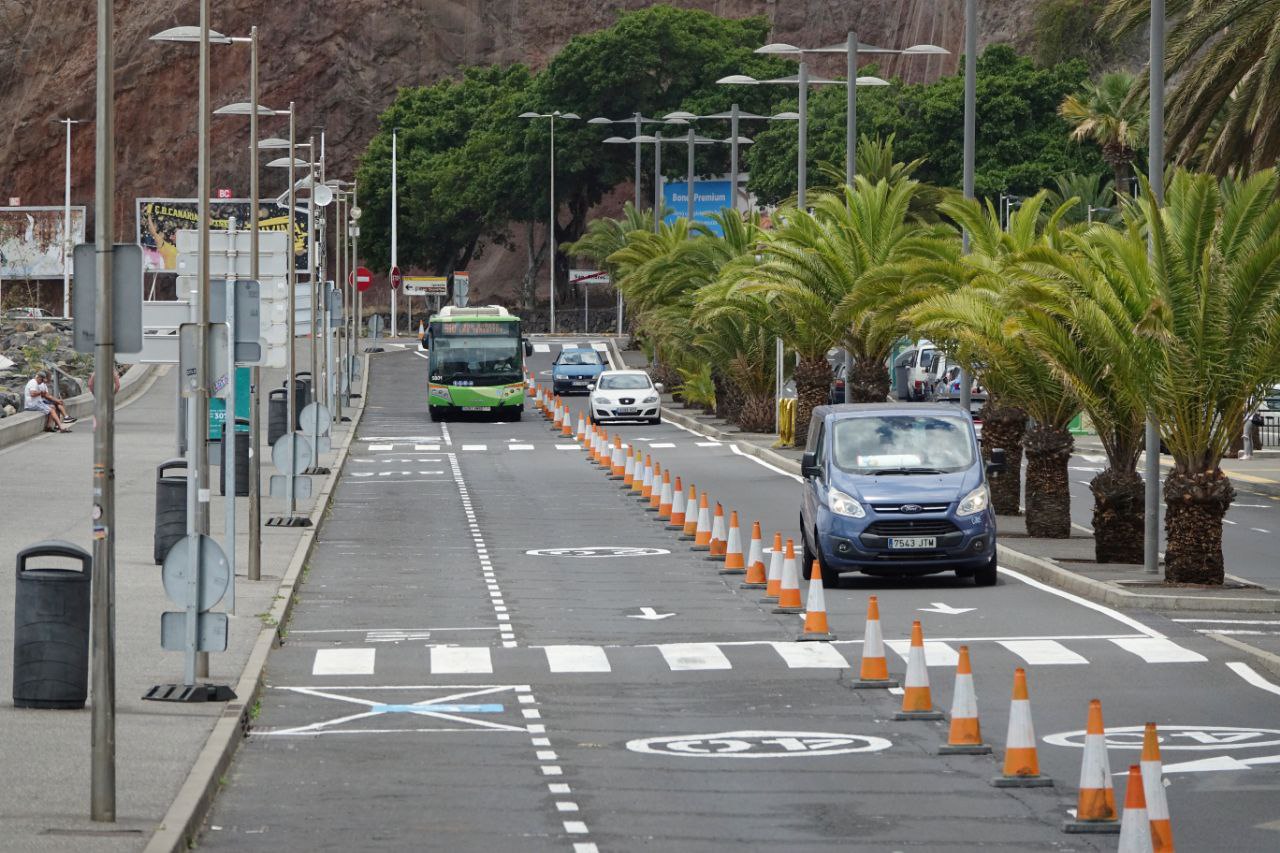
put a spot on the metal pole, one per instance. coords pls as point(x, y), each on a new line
point(659, 203)
point(970, 126)
point(850, 163)
point(394, 216)
point(689, 178)
point(778, 383)
point(1155, 145)
point(102, 791)
point(255, 373)
point(322, 282)
point(311, 269)
point(552, 224)
point(733, 155)
point(202, 301)
point(290, 382)
point(229, 419)
point(340, 237)
point(66, 225)
point(586, 329)
point(802, 157)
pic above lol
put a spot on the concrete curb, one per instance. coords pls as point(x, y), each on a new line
point(24, 425)
point(1261, 657)
point(182, 821)
point(1036, 567)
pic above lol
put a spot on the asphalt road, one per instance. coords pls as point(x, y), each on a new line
point(441, 687)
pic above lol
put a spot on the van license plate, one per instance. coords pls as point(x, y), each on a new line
point(914, 542)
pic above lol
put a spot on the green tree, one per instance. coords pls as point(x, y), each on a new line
point(1223, 55)
point(1105, 113)
point(1068, 29)
point(1086, 191)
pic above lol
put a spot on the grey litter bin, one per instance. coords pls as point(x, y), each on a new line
point(277, 414)
point(171, 507)
point(51, 627)
point(242, 461)
point(301, 397)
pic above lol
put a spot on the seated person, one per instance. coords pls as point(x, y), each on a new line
point(36, 397)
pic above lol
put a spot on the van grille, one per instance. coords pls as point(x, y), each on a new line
point(912, 527)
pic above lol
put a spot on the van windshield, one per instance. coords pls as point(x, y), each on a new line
point(902, 444)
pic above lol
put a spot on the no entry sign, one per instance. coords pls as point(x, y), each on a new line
point(364, 279)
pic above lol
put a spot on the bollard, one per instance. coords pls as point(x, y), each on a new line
point(51, 628)
point(171, 508)
point(277, 414)
point(242, 461)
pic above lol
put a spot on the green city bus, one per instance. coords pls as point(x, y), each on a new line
point(475, 362)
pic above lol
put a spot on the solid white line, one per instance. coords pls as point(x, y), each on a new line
point(935, 653)
point(1234, 621)
point(1248, 674)
point(1156, 650)
point(577, 659)
point(1043, 652)
point(1114, 614)
point(343, 662)
point(810, 656)
point(759, 461)
point(453, 660)
point(1237, 632)
point(689, 656)
point(708, 443)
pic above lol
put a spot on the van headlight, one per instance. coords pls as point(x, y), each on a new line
point(974, 502)
point(842, 504)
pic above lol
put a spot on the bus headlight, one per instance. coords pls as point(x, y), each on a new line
point(441, 392)
point(511, 391)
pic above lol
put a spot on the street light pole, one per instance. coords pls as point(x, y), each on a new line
point(551, 258)
point(67, 240)
point(1155, 144)
point(102, 792)
point(802, 161)
point(851, 119)
point(689, 200)
point(395, 326)
point(659, 202)
point(255, 373)
point(970, 127)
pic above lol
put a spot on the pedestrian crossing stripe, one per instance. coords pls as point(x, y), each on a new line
point(693, 657)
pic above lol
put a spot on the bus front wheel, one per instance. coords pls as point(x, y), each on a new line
point(436, 414)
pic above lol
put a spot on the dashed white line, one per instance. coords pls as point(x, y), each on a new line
point(1248, 674)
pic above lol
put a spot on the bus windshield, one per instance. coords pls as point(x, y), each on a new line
point(475, 360)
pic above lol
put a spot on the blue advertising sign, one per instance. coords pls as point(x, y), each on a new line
point(708, 197)
point(218, 407)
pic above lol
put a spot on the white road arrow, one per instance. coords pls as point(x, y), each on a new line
point(1220, 762)
point(940, 607)
point(648, 613)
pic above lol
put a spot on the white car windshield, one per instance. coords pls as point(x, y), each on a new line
point(623, 382)
point(902, 444)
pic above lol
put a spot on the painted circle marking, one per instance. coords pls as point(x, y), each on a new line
point(759, 744)
point(594, 551)
point(1190, 738)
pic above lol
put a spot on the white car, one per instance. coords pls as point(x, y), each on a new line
point(625, 395)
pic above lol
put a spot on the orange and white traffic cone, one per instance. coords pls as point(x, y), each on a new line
point(917, 699)
point(646, 482)
point(1021, 761)
point(1135, 823)
point(689, 532)
point(734, 562)
point(655, 494)
point(637, 474)
point(773, 579)
point(716, 547)
point(815, 609)
point(1153, 791)
point(617, 460)
point(666, 498)
point(597, 438)
point(1096, 803)
point(702, 534)
point(581, 434)
point(789, 593)
point(965, 737)
point(605, 459)
point(566, 423)
point(678, 504)
point(557, 415)
point(874, 670)
point(757, 575)
point(628, 471)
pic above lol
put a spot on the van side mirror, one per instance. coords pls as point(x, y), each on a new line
point(996, 466)
point(659, 387)
point(528, 349)
point(809, 464)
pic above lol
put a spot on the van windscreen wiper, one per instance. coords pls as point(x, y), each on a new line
point(904, 470)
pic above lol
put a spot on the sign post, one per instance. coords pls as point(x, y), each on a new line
point(585, 278)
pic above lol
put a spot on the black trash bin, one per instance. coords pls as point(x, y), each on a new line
point(171, 507)
point(302, 397)
point(277, 414)
point(242, 461)
point(51, 627)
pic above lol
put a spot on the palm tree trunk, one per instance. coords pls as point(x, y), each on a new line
point(813, 385)
point(1003, 427)
point(757, 413)
point(869, 382)
point(728, 397)
point(1048, 489)
point(1194, 507)
point(1119, 511)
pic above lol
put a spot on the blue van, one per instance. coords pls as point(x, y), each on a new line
point(897, 489)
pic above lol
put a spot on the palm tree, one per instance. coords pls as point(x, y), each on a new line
point(1090, 192)
point(1223, 55)
point(1105, 113)
point(605, 235)
point(1189, 329)
point(811, 266)
point(877, 161)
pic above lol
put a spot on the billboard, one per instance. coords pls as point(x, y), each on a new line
point(708, 197)
point(31, 240)
point(160, 219)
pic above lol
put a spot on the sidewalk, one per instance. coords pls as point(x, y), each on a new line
point(1259, 475)
point(45, 755)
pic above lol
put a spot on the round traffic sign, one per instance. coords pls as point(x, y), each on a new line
point(363, 279)
point(396, 278)
point(292, 454)
point(215, 576)
point(759, 744)
point(315, 419)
